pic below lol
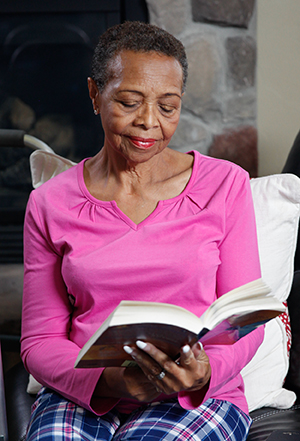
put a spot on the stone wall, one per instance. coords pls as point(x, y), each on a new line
point(219, 106)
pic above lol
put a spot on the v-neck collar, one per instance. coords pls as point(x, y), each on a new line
point(158, 207)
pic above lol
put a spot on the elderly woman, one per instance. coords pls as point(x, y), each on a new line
point(138, 221)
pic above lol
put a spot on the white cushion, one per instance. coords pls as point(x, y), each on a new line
point(277, 208)
point(45, 165)
point(33, 386)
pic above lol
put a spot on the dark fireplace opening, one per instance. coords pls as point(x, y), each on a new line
point(45, 55)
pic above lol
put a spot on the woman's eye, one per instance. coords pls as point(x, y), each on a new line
point(167, 109)
point(128, 104)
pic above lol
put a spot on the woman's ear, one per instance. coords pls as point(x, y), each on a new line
point(94, 94)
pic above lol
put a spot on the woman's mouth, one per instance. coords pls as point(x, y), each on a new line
point(142, 143)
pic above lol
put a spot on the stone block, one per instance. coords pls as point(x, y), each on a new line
point(240, 108)
point(226, 12)
point(170, 15)
point(203, 77)
point(190, 134)
point(241, 56)
point(237, 145)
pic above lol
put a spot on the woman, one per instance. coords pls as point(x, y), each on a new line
point(138, 221)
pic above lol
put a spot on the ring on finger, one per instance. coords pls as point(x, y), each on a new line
point(161, 375)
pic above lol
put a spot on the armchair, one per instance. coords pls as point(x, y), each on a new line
point(274, 416)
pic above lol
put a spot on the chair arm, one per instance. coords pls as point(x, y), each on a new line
point(269, 420)
point(3, 420)
point(18, 402)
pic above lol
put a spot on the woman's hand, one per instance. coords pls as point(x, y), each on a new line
point(128, 382)
point(156, 373)
point(191, 372)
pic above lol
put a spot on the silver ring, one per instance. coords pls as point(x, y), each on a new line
point(161, 375)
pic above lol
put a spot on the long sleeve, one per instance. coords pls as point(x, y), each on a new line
point(47, 351)
point(239, 264)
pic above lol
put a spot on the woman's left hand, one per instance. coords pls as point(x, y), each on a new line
point(191, 372)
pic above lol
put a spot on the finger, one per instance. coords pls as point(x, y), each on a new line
point(187, 357)
point(197, 349)
point(128, 349)
point(150, 367)
point(151, 376)
point(160, 358)
point(162, 370)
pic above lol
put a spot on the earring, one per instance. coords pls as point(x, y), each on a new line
point(96, 112)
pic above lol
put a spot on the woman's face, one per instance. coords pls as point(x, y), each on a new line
point(140, 106)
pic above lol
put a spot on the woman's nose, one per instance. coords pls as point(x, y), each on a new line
point(146, 117)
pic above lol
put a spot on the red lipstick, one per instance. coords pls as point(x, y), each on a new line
point(142, 143)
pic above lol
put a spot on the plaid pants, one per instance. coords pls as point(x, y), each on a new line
point(57, 419)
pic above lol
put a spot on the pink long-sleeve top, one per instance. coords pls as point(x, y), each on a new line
point(83, 256)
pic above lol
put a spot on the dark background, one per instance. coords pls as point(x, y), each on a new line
point(45, 54)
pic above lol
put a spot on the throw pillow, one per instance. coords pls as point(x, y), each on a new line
point(277, 209)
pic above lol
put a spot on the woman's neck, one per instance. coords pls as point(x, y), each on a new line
point(137, 188)
point(111, 166)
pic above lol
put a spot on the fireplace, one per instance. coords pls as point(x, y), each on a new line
point(45, 52)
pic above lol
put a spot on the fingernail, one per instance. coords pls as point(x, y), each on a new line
point(186, 349)
point(200, 345)
point(128, 349)
point(141, 344)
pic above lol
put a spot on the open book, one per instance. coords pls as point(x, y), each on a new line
point(170, 327)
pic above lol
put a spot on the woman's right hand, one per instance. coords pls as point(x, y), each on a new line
point(128, 382)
